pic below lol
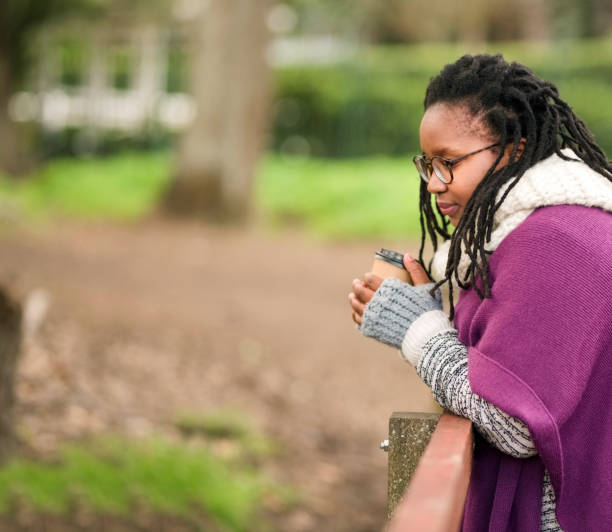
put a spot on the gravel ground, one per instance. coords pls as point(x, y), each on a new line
point(145, 322)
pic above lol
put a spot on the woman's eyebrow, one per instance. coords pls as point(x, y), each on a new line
point(441, 151)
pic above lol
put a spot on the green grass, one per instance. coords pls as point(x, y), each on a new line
point(110, 475)
point(348, 198)
point(222, 424)
point(351, 198)
point(226, 424)
point(123, 187)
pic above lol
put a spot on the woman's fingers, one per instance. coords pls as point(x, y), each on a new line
point(372, 281)
point(363, 292)
point(417, 272)
point(357, 306)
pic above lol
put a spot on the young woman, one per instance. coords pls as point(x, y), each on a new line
point(528, 353)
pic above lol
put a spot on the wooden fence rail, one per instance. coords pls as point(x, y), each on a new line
point(430, 459)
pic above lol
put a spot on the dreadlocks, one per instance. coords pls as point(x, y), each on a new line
point(513, 104)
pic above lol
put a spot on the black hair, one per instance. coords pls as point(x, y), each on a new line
point(513, 104)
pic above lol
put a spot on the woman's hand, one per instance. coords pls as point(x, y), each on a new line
point(363, 291)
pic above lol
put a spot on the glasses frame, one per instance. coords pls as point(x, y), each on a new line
point(449, 163)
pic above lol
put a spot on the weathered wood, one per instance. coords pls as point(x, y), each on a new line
point(409, 434)
point(436, 494)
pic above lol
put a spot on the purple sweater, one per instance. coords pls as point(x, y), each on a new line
point(541, 350)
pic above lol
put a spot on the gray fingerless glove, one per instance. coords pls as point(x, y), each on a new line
point(394, 307)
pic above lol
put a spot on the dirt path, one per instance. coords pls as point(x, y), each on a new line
point(150, 321)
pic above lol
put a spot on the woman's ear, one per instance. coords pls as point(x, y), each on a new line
point(519, 150)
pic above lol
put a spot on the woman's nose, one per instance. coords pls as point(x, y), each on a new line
point(435, 185)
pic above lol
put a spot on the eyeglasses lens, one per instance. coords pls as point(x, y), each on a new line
point(425, 170)
point(442, 171)
point(422, 168)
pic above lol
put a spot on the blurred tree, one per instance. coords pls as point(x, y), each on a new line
point(10, 348)
point(18, 19)
point(229, 82)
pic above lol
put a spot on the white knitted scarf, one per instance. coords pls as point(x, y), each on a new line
point(552, 181)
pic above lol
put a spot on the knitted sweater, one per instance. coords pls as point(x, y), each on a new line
point(444, 361)
point(540, 349)
point(444, 367)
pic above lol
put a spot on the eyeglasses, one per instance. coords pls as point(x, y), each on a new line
point(441, 166)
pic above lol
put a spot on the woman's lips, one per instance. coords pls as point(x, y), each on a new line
point(447, 209)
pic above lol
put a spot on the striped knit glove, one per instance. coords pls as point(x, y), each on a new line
point(395, 307)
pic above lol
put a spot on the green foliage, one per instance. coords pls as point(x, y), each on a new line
point(111, 475)
point(372, 104)
point(344, 112)
point(72, 54)
point(121, 66)
point(79, 142)
point(176, 77)
point(18, 18)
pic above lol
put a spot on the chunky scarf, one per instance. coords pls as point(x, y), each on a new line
point(552, 181)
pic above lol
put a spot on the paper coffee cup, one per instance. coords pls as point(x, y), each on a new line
point(389, 263)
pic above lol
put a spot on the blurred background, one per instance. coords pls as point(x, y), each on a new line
point(187, 189)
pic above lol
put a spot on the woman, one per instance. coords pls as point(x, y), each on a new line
point(528, 355)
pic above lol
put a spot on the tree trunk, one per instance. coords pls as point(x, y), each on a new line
point(230, 83)
point(535, 19)
point(10, 348)
point(11, 159)
point(472, 20)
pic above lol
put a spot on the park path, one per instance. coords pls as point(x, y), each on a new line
point(152, 320)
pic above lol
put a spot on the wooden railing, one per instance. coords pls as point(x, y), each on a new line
point(430, 459)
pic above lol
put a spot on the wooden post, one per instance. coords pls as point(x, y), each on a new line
point(435, 496)
point(409, 434)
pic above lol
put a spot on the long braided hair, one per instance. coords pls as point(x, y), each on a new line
point(513, 104)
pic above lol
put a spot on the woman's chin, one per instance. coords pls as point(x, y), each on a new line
point(454, 220)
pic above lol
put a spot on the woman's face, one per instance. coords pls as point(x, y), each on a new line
point(450, 131)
